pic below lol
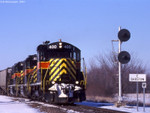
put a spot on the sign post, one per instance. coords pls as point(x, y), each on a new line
point(144, 86)
point(137, 93)
point(139, 78)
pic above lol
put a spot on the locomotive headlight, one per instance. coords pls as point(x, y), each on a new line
point(53, 82)
point(34, 58)
point(21, 64)
point(77, 82)
point(60, 45)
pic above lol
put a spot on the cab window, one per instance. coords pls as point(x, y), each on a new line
point(78, 57)
point(74, 55)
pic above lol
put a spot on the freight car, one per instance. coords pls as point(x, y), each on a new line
point(53, 75)
point(4, 80)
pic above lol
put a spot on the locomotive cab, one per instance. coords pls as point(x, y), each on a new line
point(30, 64)
point(29, 71)
point(57, 56)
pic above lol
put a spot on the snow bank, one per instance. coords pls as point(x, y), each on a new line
point(7, 105)
point(133, 97)
point(128, 109)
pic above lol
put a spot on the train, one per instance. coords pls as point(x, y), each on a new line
point(53, 75)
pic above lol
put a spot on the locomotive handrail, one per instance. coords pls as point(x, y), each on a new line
point(41, 78)
point(28, 84)
point(45, 76)
point(84, 73)
point(85, 78)
point(17, 84)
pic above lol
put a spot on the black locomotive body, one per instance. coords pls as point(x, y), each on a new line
point(53, 74)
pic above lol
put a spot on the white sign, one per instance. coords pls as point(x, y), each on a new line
point(143, 85)
point(137, 77)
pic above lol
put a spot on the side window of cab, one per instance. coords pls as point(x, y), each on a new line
point(78, 56)
point(74, 55)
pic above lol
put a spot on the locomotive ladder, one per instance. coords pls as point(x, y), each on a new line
point(84, 71)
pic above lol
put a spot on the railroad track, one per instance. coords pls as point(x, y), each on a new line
point(88, 109)
point(50, 108)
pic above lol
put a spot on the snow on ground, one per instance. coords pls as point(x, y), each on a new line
point(54, 106)
point(133, 97)
point(7, 105)
point(130, 109)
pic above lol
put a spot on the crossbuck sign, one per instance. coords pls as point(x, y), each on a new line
point(137, 77)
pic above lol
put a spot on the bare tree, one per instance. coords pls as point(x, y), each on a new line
point(103, 75)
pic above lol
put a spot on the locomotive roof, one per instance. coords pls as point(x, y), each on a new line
point(18, 63)
point(30, 57)
point(55, 45)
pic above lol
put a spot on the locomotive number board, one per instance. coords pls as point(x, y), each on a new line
point(60, 46)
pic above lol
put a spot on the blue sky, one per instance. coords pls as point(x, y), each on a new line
point(88, 24)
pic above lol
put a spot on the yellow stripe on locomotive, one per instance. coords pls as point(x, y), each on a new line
point(57, 67)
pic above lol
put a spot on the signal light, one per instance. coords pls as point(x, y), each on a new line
point(124, 35)
point(124, 57)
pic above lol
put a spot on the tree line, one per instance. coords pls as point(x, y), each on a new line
point(102, 75)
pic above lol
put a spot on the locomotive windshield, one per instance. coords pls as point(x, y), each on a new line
point(55, 54)
point(18, 67)
point(30, 63)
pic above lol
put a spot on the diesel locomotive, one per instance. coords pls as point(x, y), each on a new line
point(53, 75)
